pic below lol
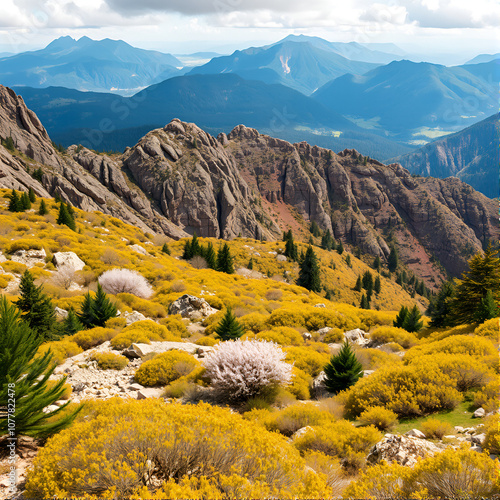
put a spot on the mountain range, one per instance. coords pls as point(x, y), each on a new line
point(471, 155)
point(86, 64)
point(178, 179)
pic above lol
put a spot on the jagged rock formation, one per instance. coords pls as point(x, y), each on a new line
point(178, 180)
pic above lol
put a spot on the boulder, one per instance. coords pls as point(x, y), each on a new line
point(325, 330)
point(68, 260)
point(133, 317)
point(149, 392)
point(306, 336)
point(319, 305)
point(2, 257)
point(405, 450)
point(300, 432)
point(281, 258)
point(357, 336)
point(479, 413)
point(29, 257)
point(479, 439)
point(189, 306)
point(140, 350)
point(415, 433)
point(318, 387)
point(137, 248)
point(61, 313)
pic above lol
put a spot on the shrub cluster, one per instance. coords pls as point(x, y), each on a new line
point(110, 361)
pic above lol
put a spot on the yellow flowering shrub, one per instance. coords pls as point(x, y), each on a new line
point(61, 350)
point(386, 334)
point(283, 335)
point(143, 332)
point(372, 359)
point(301, 383)
point(109, 361)
point(489, 329)
point(147, 307)
point(406, 390)
point(207, 341)
point(92, 337)
point(488, 396)
point(307, 359)
point(253, 322)
point(113, 450)
point(381, 418)
point(331, 468)
point(175, 325)
point(334, 336)
point(13, 267)
point(165, 368)
point(434, 428)
point(340, 439)
point(492, 431)
point(23, 244)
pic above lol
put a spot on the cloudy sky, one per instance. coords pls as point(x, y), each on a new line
point(432, 27)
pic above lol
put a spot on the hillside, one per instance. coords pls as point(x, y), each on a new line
point(470, 155)
point(89, 65)
point(178, 180)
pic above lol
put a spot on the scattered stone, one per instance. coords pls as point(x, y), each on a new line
point(281, 258)
point(459, 429)
point(29, 257)
point(323, 331)
point(189, 306)
point(141, 350)
point(318, 386)
point(479, 413)
point(319, 305)
point(300, 432)
point(479, 439)
point(149, 392)
point(137, 248)
point(2, 257)
point(415, 433)
point(368, 372)
point(477, 448)
point(61, 313)
point(68, 260)
point(133, 317)
point(357, 336)
point(306, 336)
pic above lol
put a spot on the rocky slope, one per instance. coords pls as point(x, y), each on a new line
point(179, 179)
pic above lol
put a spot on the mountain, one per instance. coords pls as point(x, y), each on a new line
point(179, 179)
point(89, 65)
point(216, 103)
point(299, 65)
point(406, 99)
point(482, 58)
point(471, 155)
point(354, 51)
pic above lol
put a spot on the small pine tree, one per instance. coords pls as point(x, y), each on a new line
point(43, 210)
point(31, 195)
point(65, 218)
point(377, 286)
point(229, 328)
point(315, 229)
point(327, 241)
point(412, 321)
point(488, 308)
point(377, 264)
point(340, 248)
point(309, 274)
point(9, 143)
point(393, 260)
point(290, 246)
point(165, 249)
point(102, 307)
point(343, 370)
point(37, 174)
point(71, 323)
point(364, 304)
point(27, 377)
point(401, 317)
point(210, 256)
point(348, 260)
point(36, 307)
point(358, 284)
point(225, 260)
point(57, 198)
point(250, 264)
point(195, 245)
point(86, 316)
point(15, 202)
point(187, 254)
point(25, 202)
point(368, 281)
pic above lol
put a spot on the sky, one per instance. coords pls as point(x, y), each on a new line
point(446, 31)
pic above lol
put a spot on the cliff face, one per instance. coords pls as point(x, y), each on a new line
point(178, 180)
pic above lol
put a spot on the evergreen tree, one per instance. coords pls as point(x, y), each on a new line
point(95, 311)
point(229, 328)
point(31, 195)
point(401, 317)
point(225, 260)
point(24, 377)
point(358, 284)
point(165, 249)
point(9, 143)
point(86, 316)
point(377, 264)
point(37, 174)
point(210, 256)
point(43, 210)
point(187, 253)
point(71, 323)
point(364, 304)
point(250, 264)
point(412, 321)
point(343, 370)
point(377, 286)
point(340, 248)
point(393, 260)
point(314, 228)
point(195, 245)
point(15, 202)
point(25, 202)
point(483, 275)
point(291, 250)
point(327, 241)
point(309, 274)
point(65, 218)
point(348, 260)
point(36, 308)
point(368, 281)
point(488, 309)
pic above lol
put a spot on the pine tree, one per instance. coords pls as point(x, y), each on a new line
point(340, 248)
point(31, 195)
point(15, 202)
point(377, 264)
point(225, 260)
point(37, 174)
point(309, 274)
point(343, 370)
point(43, 210)
point(488, 309)
point(364, 304)
point(290, 246)
point(368, 281)
point(327, 241)
point(36, 308)
point(392, 261)
point(401, 317)
point(412, 321)
point(165, 249)
point(195, 245)
point(358, 284)
point(377, 286)
point(483, 275)
point(24, 377)
point(187, 254)
point(229, 327)
point(65, 217)
point(71, 323)
point(102, 308)
point(9, 143)
point(250, 264)
point(348, 260)
point(86, 316)
point(210, 256)
point(25, 202)
point(315, 229)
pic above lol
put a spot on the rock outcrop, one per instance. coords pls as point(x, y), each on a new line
point(189, 306)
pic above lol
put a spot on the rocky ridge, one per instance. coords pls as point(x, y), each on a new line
point(179, 179)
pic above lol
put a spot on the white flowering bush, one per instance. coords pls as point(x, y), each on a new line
point(125, 281)
point(241, 369)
